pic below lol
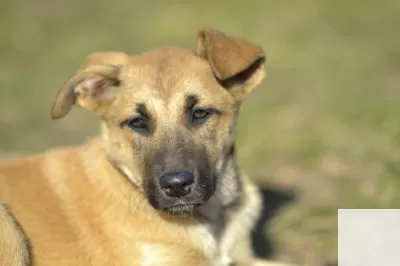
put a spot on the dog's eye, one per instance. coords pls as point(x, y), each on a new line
point(135, 123)
point(200, 115)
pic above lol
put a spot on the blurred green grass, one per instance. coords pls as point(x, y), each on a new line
point(325, 123)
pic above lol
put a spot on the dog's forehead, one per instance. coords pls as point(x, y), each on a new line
point(168, 69)
point(168, 76)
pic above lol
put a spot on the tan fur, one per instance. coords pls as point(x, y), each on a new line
point(13, 247)
point(91, 205)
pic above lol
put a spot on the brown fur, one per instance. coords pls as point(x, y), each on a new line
point(101, 203)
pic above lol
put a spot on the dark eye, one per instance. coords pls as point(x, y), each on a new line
point(200, 115)
point(136, 123)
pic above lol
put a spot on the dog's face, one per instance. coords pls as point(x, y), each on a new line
point(169, 114)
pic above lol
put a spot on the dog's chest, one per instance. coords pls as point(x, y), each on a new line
point(161, 243)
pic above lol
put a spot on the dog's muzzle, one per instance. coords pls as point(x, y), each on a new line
point(179, 191)
point(178, 184)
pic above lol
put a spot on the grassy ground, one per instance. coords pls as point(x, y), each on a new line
point(324, 126)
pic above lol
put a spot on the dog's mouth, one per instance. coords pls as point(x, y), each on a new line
point(179, 192)
point(182, 208)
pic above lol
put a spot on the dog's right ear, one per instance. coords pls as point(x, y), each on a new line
point(93, 87)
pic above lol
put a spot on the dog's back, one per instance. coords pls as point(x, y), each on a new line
point(30, 196)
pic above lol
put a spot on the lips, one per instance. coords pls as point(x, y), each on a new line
point(182, 208)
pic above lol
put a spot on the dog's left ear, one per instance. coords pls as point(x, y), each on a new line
point(238, 64)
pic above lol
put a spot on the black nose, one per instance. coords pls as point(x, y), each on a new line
point(177, 184)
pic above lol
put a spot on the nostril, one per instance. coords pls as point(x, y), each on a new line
point(177, 184)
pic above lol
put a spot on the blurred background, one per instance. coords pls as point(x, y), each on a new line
point(321, 133)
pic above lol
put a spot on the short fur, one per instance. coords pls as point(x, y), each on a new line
point(101, 203)
point(13, 245)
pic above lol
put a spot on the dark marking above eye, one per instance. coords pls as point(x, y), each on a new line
point(142, 110)
point(118, 83)
point(191, 101)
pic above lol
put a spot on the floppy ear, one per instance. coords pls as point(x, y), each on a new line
point(93, 87)
point(238, 64)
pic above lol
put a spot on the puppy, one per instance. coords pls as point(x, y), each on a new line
point(160, 184)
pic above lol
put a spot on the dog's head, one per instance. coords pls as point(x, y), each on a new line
point(169, 114)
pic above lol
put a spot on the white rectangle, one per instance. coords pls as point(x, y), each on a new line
point(369, 237)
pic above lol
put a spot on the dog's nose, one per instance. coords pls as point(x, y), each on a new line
point(177, 184)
